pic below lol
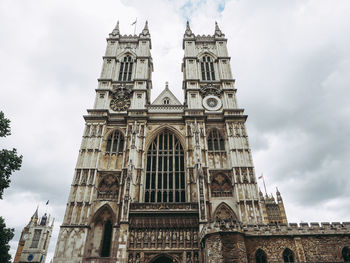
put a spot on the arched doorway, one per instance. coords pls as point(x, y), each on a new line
point(163, 259)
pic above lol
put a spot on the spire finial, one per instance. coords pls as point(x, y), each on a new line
point(35, 215)
point(115, 31)
point(188, 31)
point(166, 84)
point(145, 31)
point(218, 32)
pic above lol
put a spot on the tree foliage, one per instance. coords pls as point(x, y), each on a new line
point(6, 234)
point(4, 125)
point(9, 162)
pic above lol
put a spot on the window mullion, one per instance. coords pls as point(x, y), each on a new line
point(156, 177)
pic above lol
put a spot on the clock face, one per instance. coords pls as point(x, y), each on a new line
point(212, 103)
point(30, 257)
point(120, 104)
point(25, 236)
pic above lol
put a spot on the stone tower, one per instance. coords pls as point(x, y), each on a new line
point(274, 212)
point(34, 240)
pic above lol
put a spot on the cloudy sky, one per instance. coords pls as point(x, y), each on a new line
point(290, 59)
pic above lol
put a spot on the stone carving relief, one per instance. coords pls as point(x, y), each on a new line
point(120, 98)
point(210, 89)
point(221, 186)
point(108, 188)
point(163, 238)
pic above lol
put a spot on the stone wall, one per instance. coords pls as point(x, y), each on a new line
point(239, 243)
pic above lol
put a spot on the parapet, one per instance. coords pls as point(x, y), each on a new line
point(292, 229)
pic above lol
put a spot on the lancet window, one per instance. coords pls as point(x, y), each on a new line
point(207, 68)
point(125, 70)
point(165, 171)
point(260, 256)
point(115, 142)
point(288, 255)
point(215, 141)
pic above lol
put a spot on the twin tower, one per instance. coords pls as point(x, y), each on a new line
point(163, 181)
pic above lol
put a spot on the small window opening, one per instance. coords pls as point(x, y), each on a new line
point(166, 101)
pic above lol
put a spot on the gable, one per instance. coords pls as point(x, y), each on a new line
point(166, 94)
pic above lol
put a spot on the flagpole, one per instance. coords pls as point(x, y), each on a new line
point(135, 26)
point(264, 183)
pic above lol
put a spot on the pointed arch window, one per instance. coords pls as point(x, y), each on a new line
point(115, 142)
point(215, 141)
point(346, 254)
point(288, 255)
point(260, 256)
point(165, 170)
point(207, 68)
point(125, 71)
point(106, 240)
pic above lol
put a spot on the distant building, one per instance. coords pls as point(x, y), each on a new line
point(34, 240)
point(170, 182)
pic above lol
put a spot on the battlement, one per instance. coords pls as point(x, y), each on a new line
point(292, 229)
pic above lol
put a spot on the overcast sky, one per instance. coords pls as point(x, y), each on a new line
point(290, 59)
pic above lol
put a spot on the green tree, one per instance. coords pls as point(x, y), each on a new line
point(6, 234)
point(9, 162)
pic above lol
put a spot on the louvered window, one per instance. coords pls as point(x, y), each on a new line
point(207, 68)
point(125, 71)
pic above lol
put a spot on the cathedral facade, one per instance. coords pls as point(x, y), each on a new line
point(175, 182)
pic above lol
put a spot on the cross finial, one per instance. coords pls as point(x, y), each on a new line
point(166, 84)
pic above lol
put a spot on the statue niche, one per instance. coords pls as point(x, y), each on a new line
point(108, 188)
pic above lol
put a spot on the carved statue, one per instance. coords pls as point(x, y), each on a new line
point(130, 260)
point(174, 238)
point(195, 237)
point(131, 238)
point(188, 236)
point(196, 260)
point(167, 237)
point(181, 238)
point(138, 259)
point(153, 238)
point(145, 239)
point(160, 238)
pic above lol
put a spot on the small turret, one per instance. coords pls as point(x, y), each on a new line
point(188, 32)
point(218, 32)
point(35, 217)
point(145, 31)
point(261, 195)
point(115, 32)
point(278, 195)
